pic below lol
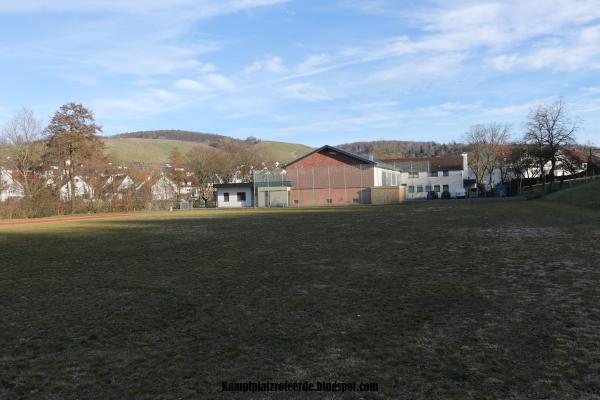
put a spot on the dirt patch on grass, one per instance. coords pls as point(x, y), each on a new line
point(51, 220)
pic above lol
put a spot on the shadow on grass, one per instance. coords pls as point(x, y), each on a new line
point(429, 301)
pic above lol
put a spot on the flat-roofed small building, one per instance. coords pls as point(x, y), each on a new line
point(235, 195)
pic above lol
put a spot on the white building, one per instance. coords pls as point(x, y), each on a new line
point(164, 189)
point(438, 174)
point(9, 186)
point(234, 195)
point(82, 189)
point(117, 185)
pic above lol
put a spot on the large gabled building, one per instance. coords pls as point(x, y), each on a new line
point(332, 176)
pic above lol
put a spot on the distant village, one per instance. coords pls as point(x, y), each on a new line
point(75, 179)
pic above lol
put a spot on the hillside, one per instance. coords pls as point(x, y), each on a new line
point(174, 134)
point(585, 195)
point(148, 151)
point(127, 150)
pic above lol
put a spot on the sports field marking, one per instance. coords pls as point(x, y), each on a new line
point(45, 221)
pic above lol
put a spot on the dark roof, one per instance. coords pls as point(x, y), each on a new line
point(336, 149)
point(443, 163)
point(233, 185)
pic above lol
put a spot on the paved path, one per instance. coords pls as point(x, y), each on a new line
point(49, 220)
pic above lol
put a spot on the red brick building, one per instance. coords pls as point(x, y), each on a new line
point(332, 176)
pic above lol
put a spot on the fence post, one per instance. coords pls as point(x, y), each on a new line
point(345, 186)
point(298, 185)
point(313, 186)
point(329, 185)
point(360, 193)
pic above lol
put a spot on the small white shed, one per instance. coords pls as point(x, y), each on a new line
point(235, 195)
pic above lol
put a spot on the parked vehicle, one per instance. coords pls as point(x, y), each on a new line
point(431, 195)
point(446, 195)
point(460, 193)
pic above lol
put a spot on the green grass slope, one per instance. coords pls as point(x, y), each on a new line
point(127, 150)
point(280, 151)
point(585, 195)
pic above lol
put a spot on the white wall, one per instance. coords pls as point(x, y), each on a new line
point(454, 180)
point(164, 189)
point(9, 187)
point(82, 189)
point(385, 177)
point(233, 201)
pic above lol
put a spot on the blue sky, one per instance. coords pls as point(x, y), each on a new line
point(306, 71)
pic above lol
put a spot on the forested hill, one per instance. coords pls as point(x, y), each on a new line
point(211, 139)
point(394, 148)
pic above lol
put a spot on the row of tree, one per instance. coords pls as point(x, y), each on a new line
point(71, 142)
point(549, 137)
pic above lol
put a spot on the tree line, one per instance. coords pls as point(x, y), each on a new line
point(71, 143)
point(549, 137)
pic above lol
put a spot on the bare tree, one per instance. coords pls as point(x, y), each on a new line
point(209, 167)
point(487, 151)
point(25, 138)
point(73, 140)
point(550, 130)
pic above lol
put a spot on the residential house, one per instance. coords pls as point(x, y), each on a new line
point(117, 185)
point(82, 190)
point(10, 187)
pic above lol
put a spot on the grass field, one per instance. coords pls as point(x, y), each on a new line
point(451, 300)
point(587, 195)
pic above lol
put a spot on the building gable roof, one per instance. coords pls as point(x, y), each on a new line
point(357, 157)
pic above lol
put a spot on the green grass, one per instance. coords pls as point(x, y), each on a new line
point(586, 195)
point(129, 150)
point(451, 300)
point(126, 151)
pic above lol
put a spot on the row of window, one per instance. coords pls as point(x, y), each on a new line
point(416, 174)
point(428, 188)
point(241, 196)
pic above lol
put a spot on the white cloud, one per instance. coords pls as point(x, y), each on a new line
point(272, 64)
point(209, 84)
point(194, 8)
point(306, 92)
point(577, 53)
point(220, 82)
point(148, 101)
point(190, 84)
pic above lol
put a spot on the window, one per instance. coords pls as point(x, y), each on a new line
point(226, 197)
point(419, 189)
point(411, 189)
point(428, 188)
point(436, 188)
point(403, 185)
point(433, 173)
point(241, 196)
point(413, 174)
point(446, 188)
point(329, 201)
point(446, 173)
